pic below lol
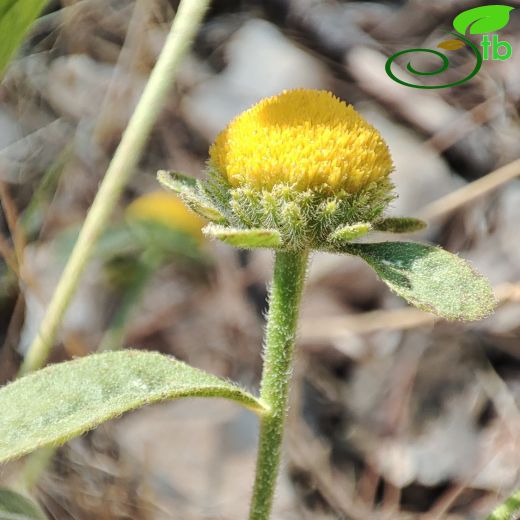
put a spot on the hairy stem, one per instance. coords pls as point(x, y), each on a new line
point(121, 168)
point(508, 509)
point(285, 295)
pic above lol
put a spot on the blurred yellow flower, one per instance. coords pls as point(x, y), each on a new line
point(167, 209)
point(308, 139)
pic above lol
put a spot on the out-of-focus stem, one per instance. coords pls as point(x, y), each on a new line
point(121, 168)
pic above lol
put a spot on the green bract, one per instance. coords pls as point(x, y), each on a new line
point(302, 219)
point(428, 277)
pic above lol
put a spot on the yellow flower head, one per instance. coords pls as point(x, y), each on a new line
point(166, 209)
point(308, 139)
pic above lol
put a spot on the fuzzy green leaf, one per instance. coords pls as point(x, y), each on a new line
point(429, 278)
point(188, 189)
point(177, 182)
point(246, 238)
point(16, 16)
point(14, 506)
point(65, 400)
point(347, 233)
point(203, 208)
point(400, 224)
point(484, 19)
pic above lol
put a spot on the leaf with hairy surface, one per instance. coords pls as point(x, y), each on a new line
point(188, 189)
point(62, 401)
point(429, 278)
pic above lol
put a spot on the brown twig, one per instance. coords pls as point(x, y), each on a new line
point(470, 192)
point(395, 319)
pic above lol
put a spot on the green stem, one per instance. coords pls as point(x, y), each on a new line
point(121, 168)
point(507, 510)
point(285, 295)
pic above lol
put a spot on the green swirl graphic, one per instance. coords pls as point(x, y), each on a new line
point(444, 66)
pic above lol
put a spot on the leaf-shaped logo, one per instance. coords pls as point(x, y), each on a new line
point(481, 20)
point(451, 45)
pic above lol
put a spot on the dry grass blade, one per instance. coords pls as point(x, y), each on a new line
point(11, 216)
point(6, 251)
point(471, 191)
point(395, 319)
point(8, 254)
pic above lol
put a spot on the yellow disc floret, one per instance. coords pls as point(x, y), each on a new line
point(168, 210)
point(308, 139)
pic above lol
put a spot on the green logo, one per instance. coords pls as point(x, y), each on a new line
point(480, 20)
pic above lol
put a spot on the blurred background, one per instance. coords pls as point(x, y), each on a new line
point(394, 415)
